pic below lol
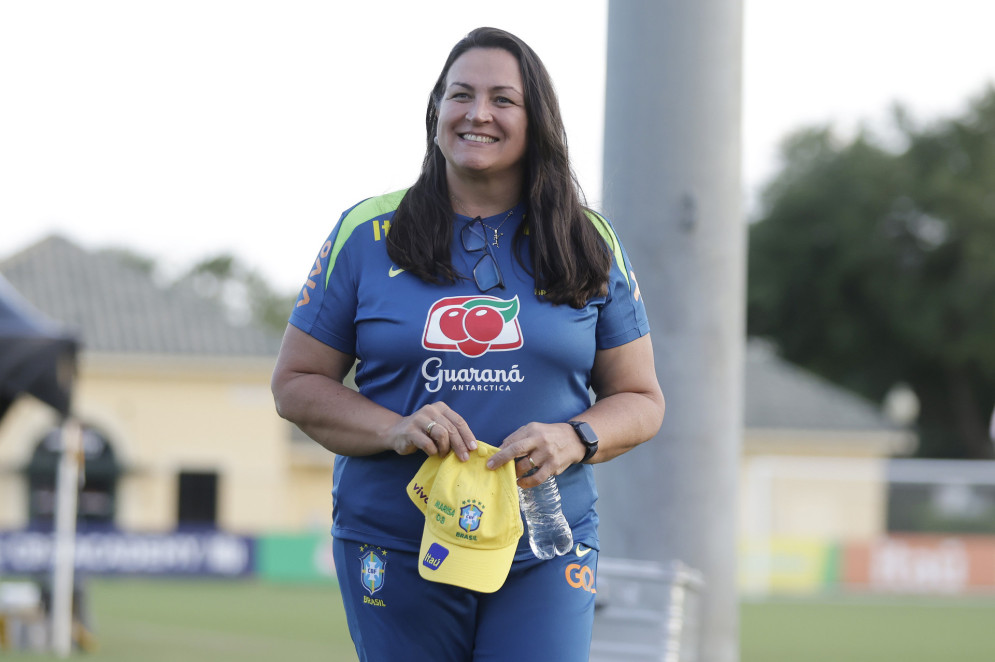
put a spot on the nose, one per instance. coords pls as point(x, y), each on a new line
point(479, 111)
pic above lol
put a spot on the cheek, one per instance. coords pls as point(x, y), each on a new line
point(521, 130)
point(521, 140)
point(450, 112)
point(444, 129)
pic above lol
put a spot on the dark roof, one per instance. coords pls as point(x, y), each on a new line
point(116, 307)
point(781, 395)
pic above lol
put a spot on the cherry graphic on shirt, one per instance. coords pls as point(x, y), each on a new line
point(483, 323)
point(451, 324)
point(472, 348)
point(473, 324)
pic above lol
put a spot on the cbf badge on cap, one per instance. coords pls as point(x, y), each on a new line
point(472, 520)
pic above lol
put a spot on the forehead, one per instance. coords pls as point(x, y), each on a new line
point(486, 68)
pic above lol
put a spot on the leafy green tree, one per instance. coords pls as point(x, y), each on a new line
point(874, 266)
point(241, 291)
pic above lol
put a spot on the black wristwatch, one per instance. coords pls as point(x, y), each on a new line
point(587, 437)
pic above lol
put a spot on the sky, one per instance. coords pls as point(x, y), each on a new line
point(183, 129)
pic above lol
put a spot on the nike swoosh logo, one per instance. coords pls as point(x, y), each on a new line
point(393, 271)
point(582, 550)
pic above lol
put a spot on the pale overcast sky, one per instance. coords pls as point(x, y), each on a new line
point(181, 129)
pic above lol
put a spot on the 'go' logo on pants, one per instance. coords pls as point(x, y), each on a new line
point(580, 576)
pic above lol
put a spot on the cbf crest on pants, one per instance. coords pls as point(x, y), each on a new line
point(372, 568)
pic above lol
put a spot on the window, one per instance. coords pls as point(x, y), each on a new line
point(198, 499)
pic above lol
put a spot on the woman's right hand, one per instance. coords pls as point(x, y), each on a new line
point(435, 429)
point(309, 391)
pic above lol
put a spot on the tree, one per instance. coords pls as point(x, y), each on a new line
point(875, 266)
point(241, 291)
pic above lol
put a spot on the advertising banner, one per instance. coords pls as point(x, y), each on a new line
point(921, 564)
point(787, 566)
point(296, 558)
point(207, 553)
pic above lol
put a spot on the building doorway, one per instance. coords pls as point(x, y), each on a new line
point(96, 503)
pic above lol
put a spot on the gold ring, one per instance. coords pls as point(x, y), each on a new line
point(531, 461)
point(428, 428)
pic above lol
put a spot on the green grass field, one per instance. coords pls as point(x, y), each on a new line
point(866, 628)
point(212, 621)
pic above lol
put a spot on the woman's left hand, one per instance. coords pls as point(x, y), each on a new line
point(628, 411)
point(548, 448)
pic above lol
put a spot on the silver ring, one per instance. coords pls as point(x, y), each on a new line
point(531, 461)
point(428, 428)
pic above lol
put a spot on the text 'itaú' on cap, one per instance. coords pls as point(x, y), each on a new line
point(472, 519)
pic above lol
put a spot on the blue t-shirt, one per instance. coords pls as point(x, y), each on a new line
point(500, 359)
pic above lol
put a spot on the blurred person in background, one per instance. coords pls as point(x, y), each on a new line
point(480, 304)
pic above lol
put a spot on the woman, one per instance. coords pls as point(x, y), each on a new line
point(480, 304)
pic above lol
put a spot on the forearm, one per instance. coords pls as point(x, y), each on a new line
point(623, 421)
point(334, 415)
point(629, 407)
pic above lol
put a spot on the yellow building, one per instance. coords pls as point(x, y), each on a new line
point(814, 455)
point(180, 427)
point(813, 475)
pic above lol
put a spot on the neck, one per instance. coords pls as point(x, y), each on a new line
point(483, 198)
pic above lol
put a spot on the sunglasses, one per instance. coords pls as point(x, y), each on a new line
point(486, 273)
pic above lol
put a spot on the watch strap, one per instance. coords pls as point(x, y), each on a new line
point(590, 444)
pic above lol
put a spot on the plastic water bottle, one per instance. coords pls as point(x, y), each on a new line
point(549, 533)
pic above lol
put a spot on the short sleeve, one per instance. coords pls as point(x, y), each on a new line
point(326, 306)
point(622, 315)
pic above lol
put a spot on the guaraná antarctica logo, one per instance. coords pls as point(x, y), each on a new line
point(473, 325)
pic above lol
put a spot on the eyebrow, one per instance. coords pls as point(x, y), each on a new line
point(496, 88)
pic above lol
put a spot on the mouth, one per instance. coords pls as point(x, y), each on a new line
point(473, 137)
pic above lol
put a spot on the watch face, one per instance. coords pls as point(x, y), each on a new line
point(587, 437)
point(586, 433)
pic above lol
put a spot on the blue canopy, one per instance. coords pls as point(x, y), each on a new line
point(37, 356)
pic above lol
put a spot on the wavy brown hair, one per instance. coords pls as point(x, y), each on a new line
point(569, 259)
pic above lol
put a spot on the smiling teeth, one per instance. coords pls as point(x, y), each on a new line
point(478, 139)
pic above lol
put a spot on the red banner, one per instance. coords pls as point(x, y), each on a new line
point(921, 564)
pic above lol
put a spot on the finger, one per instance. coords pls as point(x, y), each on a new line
point(420, 432)
point(460, 428)
point(438, 433)
point(534, 475)
point(514, 447)
point(459, 438)
point(525, 466)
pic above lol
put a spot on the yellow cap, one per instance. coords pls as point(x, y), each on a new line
point(472, 519)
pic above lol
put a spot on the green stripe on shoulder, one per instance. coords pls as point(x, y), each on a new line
point(608, 234)
point(362, 213)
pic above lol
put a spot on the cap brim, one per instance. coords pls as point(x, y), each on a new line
point(483, 570)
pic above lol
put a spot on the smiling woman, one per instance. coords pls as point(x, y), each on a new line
point(482, 128)
point(474, 354)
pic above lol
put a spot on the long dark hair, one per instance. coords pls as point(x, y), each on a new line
point(570, 261)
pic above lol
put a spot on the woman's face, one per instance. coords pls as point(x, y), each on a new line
point(482, 123)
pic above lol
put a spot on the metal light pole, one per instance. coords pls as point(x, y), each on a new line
point(64, 555)
point(672, 184)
